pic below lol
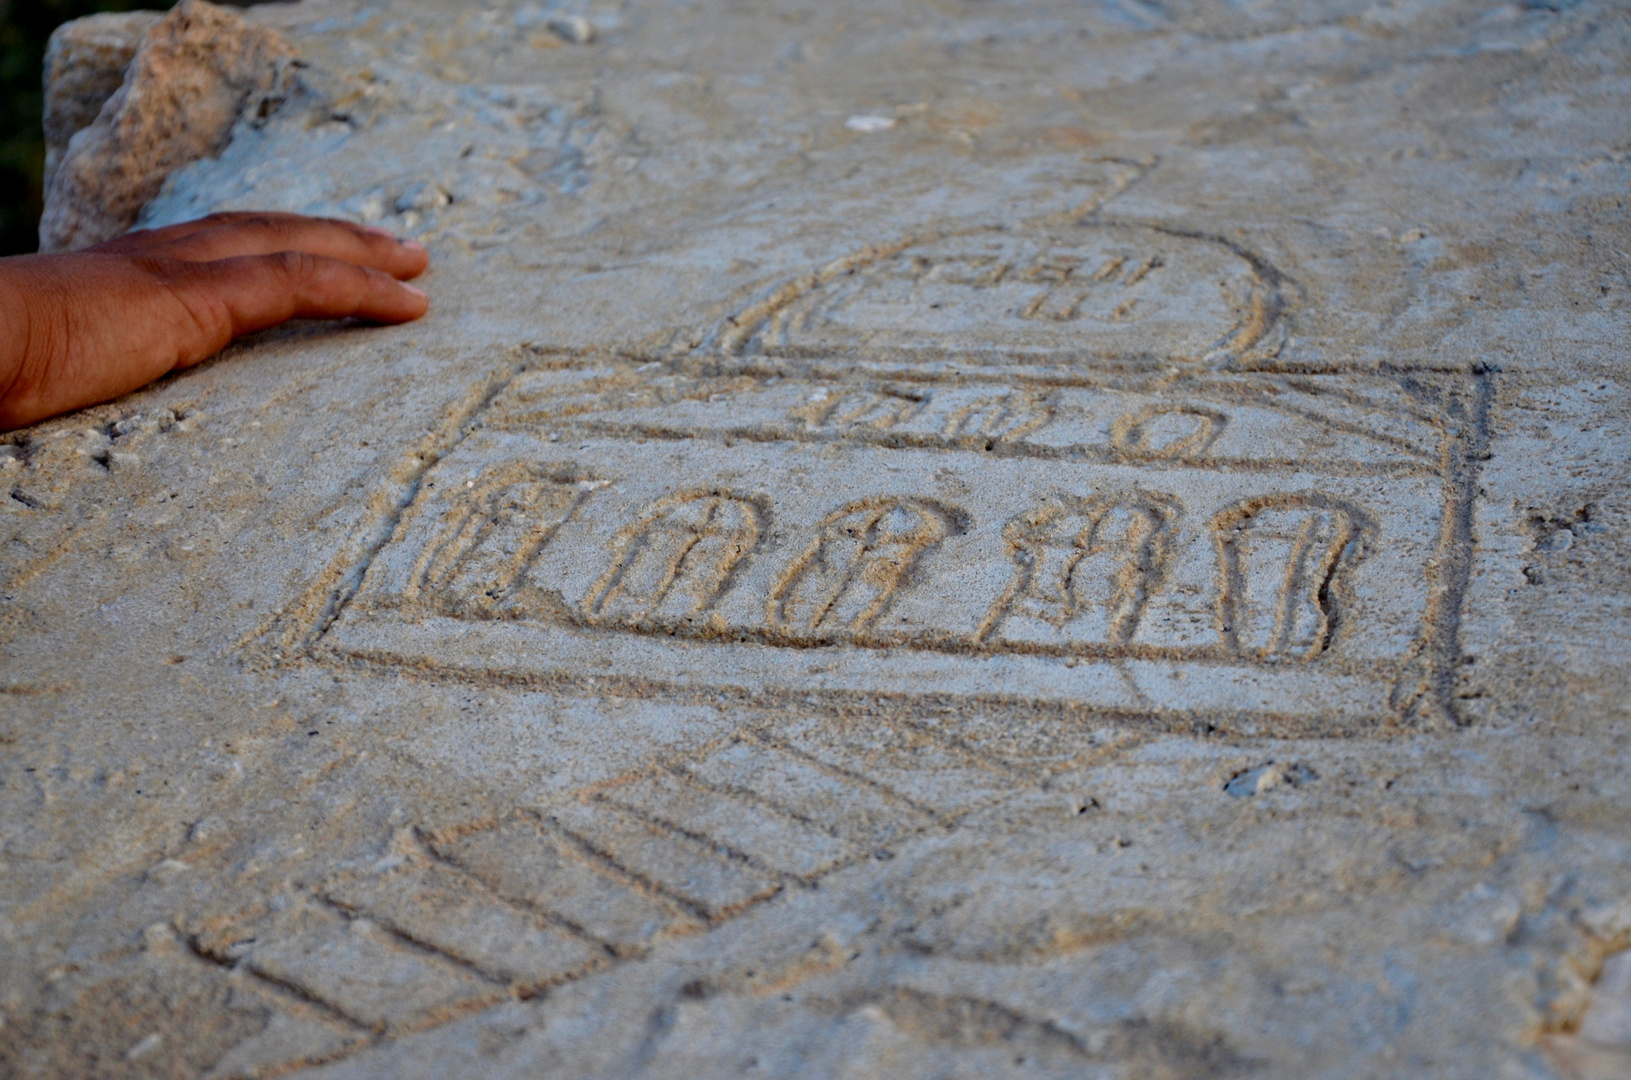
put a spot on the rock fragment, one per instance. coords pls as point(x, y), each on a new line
point(869, 125)
point(191, 77)
point(423, 195)
point(573, 28)
point(85, 64)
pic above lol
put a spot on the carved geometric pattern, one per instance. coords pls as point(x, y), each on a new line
point(1084, 569)
point(672, 564)
point(682, 539)
point(462, 919)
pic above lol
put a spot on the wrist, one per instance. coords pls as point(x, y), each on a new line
point(20, 352)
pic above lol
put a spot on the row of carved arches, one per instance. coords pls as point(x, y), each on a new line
point(1084, 569)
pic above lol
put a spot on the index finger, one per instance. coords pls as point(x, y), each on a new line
point(235, 296)
point(143, 238)
point(239, 235)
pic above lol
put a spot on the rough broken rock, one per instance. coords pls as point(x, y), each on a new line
point(177, 97)
point(920, 538)
point(85, 64)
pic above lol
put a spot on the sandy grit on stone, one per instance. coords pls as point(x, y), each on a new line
point(954, 539)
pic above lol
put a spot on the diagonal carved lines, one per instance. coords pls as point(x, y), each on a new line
point(513, 907)
point(294, 630)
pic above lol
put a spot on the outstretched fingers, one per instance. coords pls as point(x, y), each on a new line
point(240, 295)
point(87, 326)
point(228, 236)
point(138, 240)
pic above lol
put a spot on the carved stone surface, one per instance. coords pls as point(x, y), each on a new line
point(957, 539)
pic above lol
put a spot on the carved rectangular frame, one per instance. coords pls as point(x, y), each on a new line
point(691, 659)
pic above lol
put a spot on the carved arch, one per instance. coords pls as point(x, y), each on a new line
point(674, 562)
point(1283, 560)
point(1084, 569)
point(492, 530)
point(860, 558)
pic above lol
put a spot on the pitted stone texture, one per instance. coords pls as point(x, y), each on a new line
point(85, 64)
point(184, 88)
point(958, 538)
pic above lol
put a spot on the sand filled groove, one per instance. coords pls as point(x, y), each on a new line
point(959, 539)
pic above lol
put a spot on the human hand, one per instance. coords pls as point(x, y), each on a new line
point(85, 327)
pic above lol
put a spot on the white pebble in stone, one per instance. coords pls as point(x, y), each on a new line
point(869, 125)
point(573, 28)
point(369, 206)
point(422, 196)
point(144, 1047)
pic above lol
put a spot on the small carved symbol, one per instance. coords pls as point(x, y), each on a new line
point(879, 409)
point(1068, 286)
point(858, 561)
point(1105, 287)
point(1281, 559)
point(496, 527)
point(973, 270)
point(676, 560)
point(1008, 416)
point(1168, 432)
point(1084, 569)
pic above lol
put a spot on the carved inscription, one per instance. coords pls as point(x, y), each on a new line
point(1072, 288)
point(1002, 415)
point(1006, 417)
point(1084, 569)
point(1095, 542)
point(1282, 560)
point(1234, 421)
point(1171, 432)
point(671, 565)
point(490, 530)
point(1064, 284)
point(1116, 290)
point(879, 409)
point(1081, 571)
point(858, 560)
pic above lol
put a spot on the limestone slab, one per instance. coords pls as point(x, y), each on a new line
point(966, 538)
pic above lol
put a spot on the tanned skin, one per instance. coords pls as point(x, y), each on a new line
point(89, 326)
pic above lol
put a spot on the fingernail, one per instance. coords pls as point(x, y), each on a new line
point(412, 245)
point(413, 289)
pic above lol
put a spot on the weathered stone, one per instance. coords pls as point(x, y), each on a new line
point(178, 96)
point(85, 63)
point(954, 538)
